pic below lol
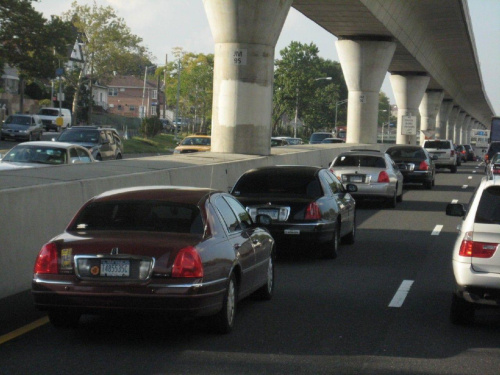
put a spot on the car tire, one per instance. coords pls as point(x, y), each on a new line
point(391, 202)
point(399, 198)
point(223, 321)
point(119, 157)
point(331, 248)
point(461, 311)
point(64, 319)
point(265, 292)
point(98, 157)
point(350, 238)
point(453, 169)
point(428, 184)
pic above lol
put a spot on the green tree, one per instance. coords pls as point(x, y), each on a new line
point(108, 45)
point(30, 43)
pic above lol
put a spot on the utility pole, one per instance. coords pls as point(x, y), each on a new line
point(165, 87)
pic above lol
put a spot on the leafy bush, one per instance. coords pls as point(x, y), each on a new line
point(150, 127)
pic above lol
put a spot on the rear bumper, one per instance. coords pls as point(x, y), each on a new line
point(374, 191)
point(476, 287)
point(316, 232)
point(190, 299)
point(417, 176)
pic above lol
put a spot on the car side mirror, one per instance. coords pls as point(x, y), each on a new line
point(263, 220)
point(455, 209)
point(351, 188)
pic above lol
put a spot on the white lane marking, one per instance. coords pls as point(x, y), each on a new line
point(399, 297)
point(454, 201)
point(437, 230)
point(465, 186)
point(470, 177)
point(474, 171)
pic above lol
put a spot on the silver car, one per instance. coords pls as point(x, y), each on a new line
point(44, 154)
point(476, 258)
point(373, 172)
point(22, 127)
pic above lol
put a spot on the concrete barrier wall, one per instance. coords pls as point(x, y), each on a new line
point(32, 215)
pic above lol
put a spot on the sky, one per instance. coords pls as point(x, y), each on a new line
point(165, 24)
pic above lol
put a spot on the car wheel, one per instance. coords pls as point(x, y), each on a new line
point(98, 157)
point(461, 312)
point(30, 137)
point(391, 202)
point(399, 198)
point(118, 157)
point(63, 319)
point(224, 319)
point(428, 185)
point(265, 292)
point(331, 248)
point(351, 236)
point(453, 169)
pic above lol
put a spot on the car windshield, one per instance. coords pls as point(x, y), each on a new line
point(488, 211)
point(36, 154)
point(48, 112)
point(18, 120)
point(360, 161)
point(282, 183)
point(406, 153)
point(318, 137)
point(82, 136)
point(196, 141)
point(152, 216)
point(437, 144)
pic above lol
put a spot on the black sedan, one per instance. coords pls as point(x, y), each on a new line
point(415, 164)
point(308, 206)
point(182, 251)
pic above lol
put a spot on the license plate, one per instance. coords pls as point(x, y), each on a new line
point(356, 179)
point(292, 231)
point(115, 268)
point(272, 213)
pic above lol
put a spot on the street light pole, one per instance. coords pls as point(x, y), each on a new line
point(340, 102)
point(143, 114)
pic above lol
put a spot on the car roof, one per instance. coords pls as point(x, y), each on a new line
point(48, 144)
point(363, 152)
point(286, 168)
point(179, 194)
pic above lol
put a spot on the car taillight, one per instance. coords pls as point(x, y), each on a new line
point(187, 263)
point(475, 249)
point(452, 153)
point(313, 212)
point(496, 169)
point(383, 177)
point(423, 166)
point(46, 262)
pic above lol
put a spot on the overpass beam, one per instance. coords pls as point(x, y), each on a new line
point(408, 89)
point(442, 118)
point(364, 62)
point(429, 109)
point(245, 35)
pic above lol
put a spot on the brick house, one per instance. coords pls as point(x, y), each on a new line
point(127, 94)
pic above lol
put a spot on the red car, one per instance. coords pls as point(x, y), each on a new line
point(185, 251)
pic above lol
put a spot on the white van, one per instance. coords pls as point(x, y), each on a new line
point(49, 115)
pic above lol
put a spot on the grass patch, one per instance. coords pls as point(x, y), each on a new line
point(162, 144)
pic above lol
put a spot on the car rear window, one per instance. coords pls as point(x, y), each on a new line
point(155, 216)
point(360, 161)
point(48, 112)
point(437, 144)
point(406, 153)
point(315, 137)
point(280, 183)
point(83, 136)
point(488, 211)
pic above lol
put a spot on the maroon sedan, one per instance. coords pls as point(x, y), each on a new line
point(186, 251)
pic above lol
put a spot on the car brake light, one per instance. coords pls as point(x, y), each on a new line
point(423, 166)
point(187, 263)
point(474, 249)
point(452, 153)
point(383, 177)
point(46, 262)
point(313, 212)
point(496, 169)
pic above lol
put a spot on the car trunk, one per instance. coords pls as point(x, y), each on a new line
point(270, 205)
point(490, 235)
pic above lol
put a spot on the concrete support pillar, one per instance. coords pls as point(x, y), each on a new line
point(245, 34)
point(429, 108)
point(450, 124)
point(442, 118)
point(458, 127)
point(465, 129)
point(408, 89)
point(364, 64)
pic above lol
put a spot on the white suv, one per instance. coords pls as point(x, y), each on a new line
point(476, 255)
point(445, 151)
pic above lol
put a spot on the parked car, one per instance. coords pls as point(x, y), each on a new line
point(49, 116)
point(308, 206)
point(476, 258)
point(275, 142)
point(445, 151)
point(173, 250)
point(493, 148)
point(44, 154)
point(374, 173)
point(103, 143)
point(194, 143)
point(22, 127)
point(318, 137)
point(471, 154)
point(333, 140)
point(290, 140)
point(415, 164)
point(493, 167)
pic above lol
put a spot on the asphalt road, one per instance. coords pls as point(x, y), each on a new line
point(342, 316)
